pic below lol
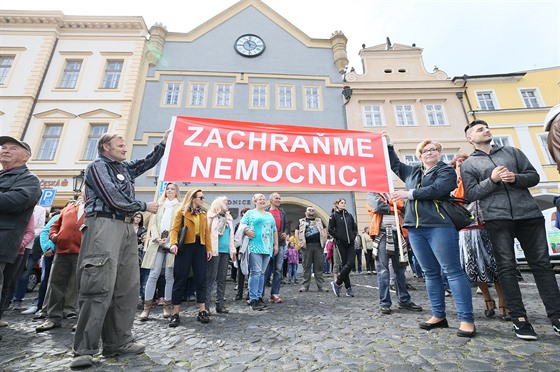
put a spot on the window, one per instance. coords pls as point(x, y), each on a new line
point(412, 160)
point(530, 98)
point(70, 74)
point(435, 115)
point(197, 94)
point(501, 141)
point(544, 144)
point(259, 96)
point(485, 101)
point(447, 158)
point(6, 63)
point(405, 116)
point(172, 93)
point(112, 74)
point(49, 142)
point(285, 96)
point(312, 98)
point(373, 116)
point(95, 132)
point(223, 95)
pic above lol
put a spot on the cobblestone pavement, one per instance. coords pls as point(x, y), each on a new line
point(309, 331)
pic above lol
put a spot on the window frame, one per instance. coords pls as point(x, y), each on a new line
point(190, 94)
point(252, 87)
point(493, 99)
point(40, 147)
point(412, 114)
point(537, 97)
point(435, 113)
point(543, 141)
point(501, 138)
point(280, 95)
point(165, 90)
point(380, 113)
point(306, 96)
point(107, 73)
point(9, 71)
point(217, 93)
point(90, 139)
point(77, 74)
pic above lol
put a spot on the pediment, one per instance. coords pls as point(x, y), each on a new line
point(99, 114)
point(55, 114)
point(394, 47)
point(238, 8)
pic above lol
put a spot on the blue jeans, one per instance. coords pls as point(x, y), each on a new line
point(274, 268)
point(358, 261)
point(383, 276)
point(257, 267)
point(46, 273)
point(437, 248)
point(531, 234)
point(292, 271)
point(326, 265)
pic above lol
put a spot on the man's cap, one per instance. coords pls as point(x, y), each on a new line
point(6, 139)
point(552, 114)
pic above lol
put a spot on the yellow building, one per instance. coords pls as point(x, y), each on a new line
point(514, 105)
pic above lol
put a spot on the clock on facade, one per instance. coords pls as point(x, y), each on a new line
point(249, 45)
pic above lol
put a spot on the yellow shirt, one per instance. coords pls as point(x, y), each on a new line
point(197, 225)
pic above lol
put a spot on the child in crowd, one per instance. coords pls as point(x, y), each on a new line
point(293, 261)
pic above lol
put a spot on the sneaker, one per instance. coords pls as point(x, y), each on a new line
point(523, 329)
point(130, 348)
point(349, 292)
point(478, 291)
point(3, 323)
point(556, 326)
point(385, 309)
point(335, 288)
point(39, 315)
point(410, 306)
point(47, 326)
point(203, 317)
point(29, 311)
point(174, 321)
point(82, 361)
point(392, 288)
point(256, 305)
point(71, 316)
point(304, 289)
point(447, 292)
point(410, 287)
point(275, 299)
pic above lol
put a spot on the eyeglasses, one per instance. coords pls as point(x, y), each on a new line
point(429, 150)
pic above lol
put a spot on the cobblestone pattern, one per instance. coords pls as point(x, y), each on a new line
point(310, 331)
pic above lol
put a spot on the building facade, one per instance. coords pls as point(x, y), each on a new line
point(249, 64)
point(66, 80)
point(396, 94)
point(514, 105)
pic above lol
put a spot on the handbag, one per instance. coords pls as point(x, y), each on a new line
point(182, 232)
point(459, 215)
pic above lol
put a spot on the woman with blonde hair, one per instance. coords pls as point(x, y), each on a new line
point(260, 227)
point(191, 253)
point(220, 222)
point(157, 253)
point(433, 235)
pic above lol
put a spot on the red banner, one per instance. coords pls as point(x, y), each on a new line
point(244, 153)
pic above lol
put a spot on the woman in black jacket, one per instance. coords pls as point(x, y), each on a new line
point(343, 228)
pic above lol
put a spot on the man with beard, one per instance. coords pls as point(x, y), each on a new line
point(311, 237)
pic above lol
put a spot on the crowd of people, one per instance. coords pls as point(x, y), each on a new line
point(92, 270)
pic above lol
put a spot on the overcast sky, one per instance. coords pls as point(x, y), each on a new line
point(472, 37)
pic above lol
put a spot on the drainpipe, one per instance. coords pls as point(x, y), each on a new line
point(39, 91)
point(460, 96)
point(465, 78)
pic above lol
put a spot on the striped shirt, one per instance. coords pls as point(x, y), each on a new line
point(109, 184)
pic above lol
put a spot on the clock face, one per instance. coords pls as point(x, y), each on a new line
point(249, 45)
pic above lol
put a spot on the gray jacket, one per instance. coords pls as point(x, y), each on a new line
point(501, 201)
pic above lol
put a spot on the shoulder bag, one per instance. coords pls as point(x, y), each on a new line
point(182, 232)
point(454, 209)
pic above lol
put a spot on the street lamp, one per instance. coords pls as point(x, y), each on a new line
point(78, 182)
point(347, 93)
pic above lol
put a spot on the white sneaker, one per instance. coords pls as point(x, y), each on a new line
point(31, 310)
point(478, 291)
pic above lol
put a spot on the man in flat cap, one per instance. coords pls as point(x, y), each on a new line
point(19, 192)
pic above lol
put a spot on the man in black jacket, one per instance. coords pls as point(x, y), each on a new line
point(19, 192)
point(500, 177)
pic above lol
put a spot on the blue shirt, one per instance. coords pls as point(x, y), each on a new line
point(264, 226)
point(223, 241)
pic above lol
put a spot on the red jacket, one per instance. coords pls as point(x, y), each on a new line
point(67, 230)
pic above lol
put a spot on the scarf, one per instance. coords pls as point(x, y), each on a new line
point(166, 217)
point(221, 224)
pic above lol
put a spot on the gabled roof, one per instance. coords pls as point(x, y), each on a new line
point(238, 8)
